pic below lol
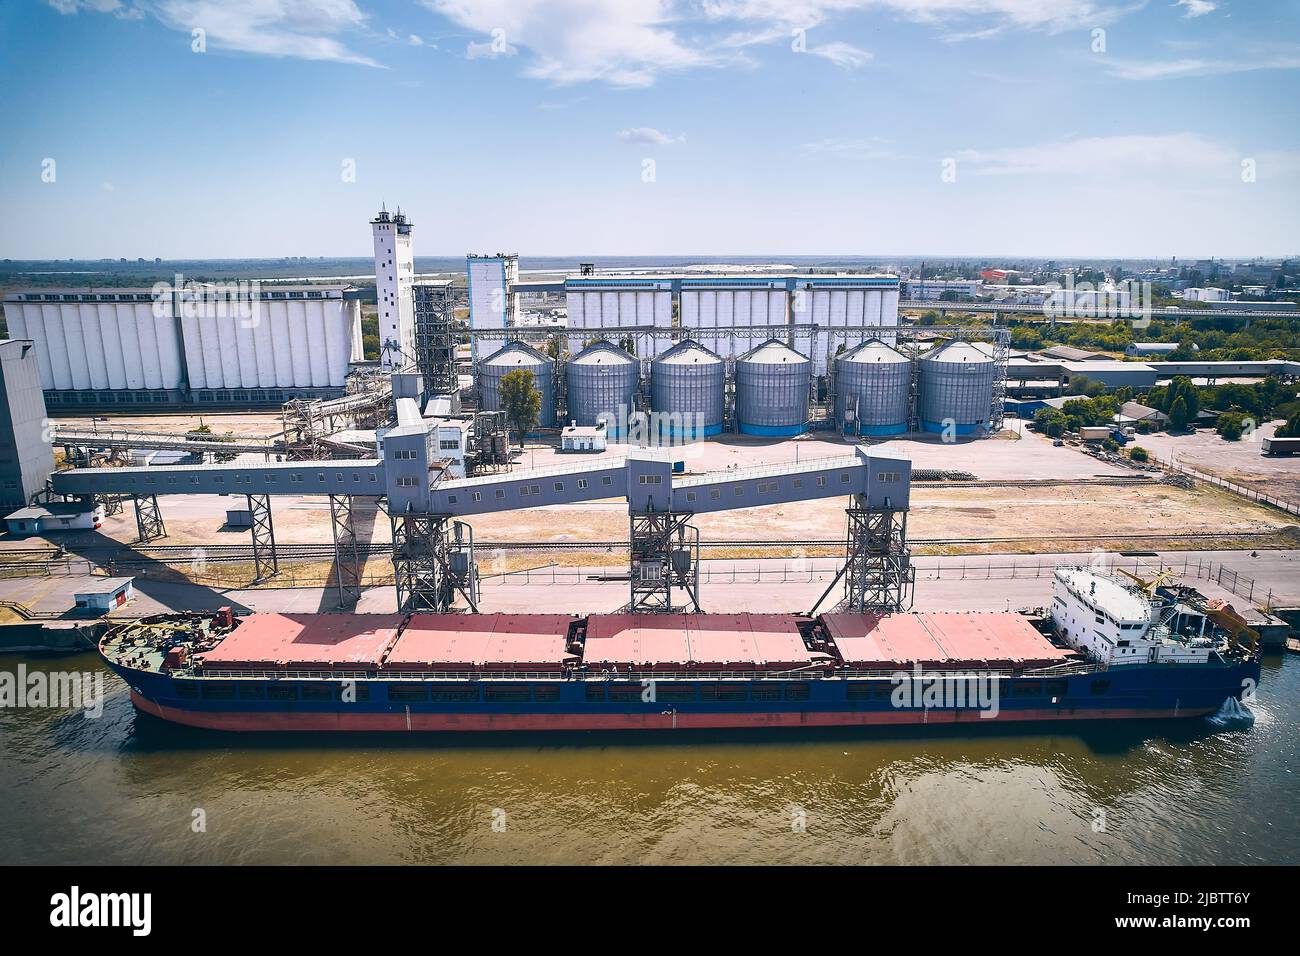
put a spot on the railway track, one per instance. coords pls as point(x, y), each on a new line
point(235, 553)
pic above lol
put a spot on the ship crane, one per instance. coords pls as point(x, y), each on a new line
point(1150, 585)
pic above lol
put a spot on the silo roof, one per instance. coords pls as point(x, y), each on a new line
point(873, 350)
point(602, 353)
point(957, 352)
point(773, 352)
point(516, 353)
point(687, 352)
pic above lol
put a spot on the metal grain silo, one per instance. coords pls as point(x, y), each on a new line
point(772, 390)
point(517, 355)
point(602, 379)
point(686, 383)
point(873, 385)
point(956, 388)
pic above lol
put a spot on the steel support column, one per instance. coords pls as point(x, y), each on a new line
point(433, 558)
point(877, 572)
point(148, 519)
point(665, 555)
point(347, 557)
point(266, 563)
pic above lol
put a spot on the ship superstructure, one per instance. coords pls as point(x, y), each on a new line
point(1117, 623)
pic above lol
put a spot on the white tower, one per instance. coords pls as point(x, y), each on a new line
point(394, 274)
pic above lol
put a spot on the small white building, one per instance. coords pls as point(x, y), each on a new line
point(104, 594)
point(577, 437)
point(56, 516)
point(453, 443)
point(1151, 348)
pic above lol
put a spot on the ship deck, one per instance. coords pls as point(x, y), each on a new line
point(306, 641)
point(542, 645)
point(505, 642)
point(953, 640)
point(702, 641)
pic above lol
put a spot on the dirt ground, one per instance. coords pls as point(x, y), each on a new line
point(1240, 461)
point(1015, 453)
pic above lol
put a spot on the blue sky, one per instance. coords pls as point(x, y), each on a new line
point(801, 127)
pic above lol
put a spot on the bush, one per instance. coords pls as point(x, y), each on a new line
point(1139, 454)
point(1050, 422)
point(1230, 425)
point(1291, 428)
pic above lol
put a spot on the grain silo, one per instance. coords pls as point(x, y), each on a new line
point(517, 355)
point(686, 385)
point(772, 390)
point(873, 386)
point(602, 383)
point(956, 388)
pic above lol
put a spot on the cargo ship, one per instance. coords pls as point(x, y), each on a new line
point(1107, 651)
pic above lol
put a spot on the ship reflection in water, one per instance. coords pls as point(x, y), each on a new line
point(125, 788)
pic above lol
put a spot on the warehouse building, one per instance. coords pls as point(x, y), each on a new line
point(207, 344)
point(718, 310)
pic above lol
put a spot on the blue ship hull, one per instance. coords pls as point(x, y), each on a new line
point(503, 702)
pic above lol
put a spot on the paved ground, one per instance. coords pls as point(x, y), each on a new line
point(998, 582)
point(1239, 461)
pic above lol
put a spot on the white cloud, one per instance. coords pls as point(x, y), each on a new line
point(843, 55)
point(1196, 8)
point(873, 148)
point(415, 40)
point(1199, 66)
point(620, 42)
point(69, 7)
point(648, 135)
point(303, 29)
point(1111, 157)
point(629, 43)
point(1050, 15)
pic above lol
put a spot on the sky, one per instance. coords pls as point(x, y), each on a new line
point(253, 128)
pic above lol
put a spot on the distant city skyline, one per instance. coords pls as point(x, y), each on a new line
point(871, 128)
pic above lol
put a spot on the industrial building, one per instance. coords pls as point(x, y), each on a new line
point(232, 344)
point(26, 458)
point(726, 314)
point(394, 275)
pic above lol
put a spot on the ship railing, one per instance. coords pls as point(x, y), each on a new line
point(819, 673)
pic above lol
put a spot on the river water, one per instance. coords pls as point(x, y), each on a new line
point(125, 789)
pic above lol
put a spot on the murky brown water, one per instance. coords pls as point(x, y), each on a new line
point(123, 789)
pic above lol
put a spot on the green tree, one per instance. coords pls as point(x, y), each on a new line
point(1178, 416)
point(1050, 422)
point(1139, 454)
point(1291, 428)
point(520, 400)
point(1230, 425)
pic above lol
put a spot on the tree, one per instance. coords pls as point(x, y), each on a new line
point(520, 400)
point(1291, 428)
point(1178, 416)
point(1139, 454)
point(1230, 425)
point(1050, 422)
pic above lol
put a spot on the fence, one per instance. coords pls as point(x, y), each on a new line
point(755, 571)
point(1290, 507)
